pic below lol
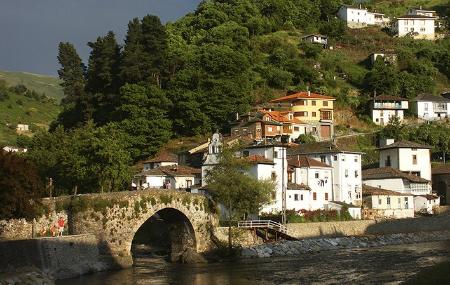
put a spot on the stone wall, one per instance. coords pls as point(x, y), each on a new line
point(114, 218)
point(372, 214)
point(364, 227)
point(61, 257)
point(240, 237)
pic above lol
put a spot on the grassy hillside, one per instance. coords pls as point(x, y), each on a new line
point(26, 108)
point(40, 83)
point(399, 7)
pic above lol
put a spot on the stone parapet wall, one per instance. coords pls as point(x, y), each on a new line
point(240, 237)
point(364, 227)
point(372, 214)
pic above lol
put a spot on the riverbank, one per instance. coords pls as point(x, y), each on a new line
point(292, 248)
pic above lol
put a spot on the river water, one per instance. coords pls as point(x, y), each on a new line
point(383, 265)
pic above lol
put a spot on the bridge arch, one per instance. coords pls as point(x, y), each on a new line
point(181, 232)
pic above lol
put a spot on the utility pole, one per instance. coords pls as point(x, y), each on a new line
point(283, 185)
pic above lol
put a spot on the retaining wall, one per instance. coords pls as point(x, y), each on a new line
point(364, 227)
point(61, 257)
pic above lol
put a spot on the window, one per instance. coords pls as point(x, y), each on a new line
point(399, 202)
point(323, 158)
point(313, 103)
point(302, 114)
point(346, 173)
point(269, 129)
point(302, 103)
point(188, 183)
point(301, 197)
point(414, 159)
point(290, 177)
point(335, 158)
point(388, 200)
point(316, 175)
point(245, 153)
point(275, 154)
point(326, 196)
point(379, 201)
point(356, 174)
point(314, 196)
point(356, 158)
point(325, 103)
point(388, 161)
point(426, 106)
point(343, 157)
point(314, 114)
point(296, 129)
point(274, 176)
point(414, 149)
point(406, 202)
point(295, 197)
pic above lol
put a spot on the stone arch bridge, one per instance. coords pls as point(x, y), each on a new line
point(115, 218)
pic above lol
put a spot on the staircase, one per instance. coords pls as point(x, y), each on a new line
point(266, 229)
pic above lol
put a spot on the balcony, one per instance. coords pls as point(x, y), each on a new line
point(393, 106)
point(440, 108)
point(326, 116)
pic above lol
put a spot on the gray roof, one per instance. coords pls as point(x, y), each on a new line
point(388, 173)
point(405, 144)
point(432, 98)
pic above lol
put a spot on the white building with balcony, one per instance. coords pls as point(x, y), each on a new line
point(416, 26)
point(395, 180)
point(385, 107)
point(430, 108)
point(346, 168)
point(380, 203)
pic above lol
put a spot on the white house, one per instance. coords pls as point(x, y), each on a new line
point(309, 183)
point(380, 203)
point(168, 177)
point(408, 157)
point(426, 203)
point(316, 39)
point(14, 149)
point(212, 157)
point(416, 26)
point(360, 17)
point(430, 107)
point(22, 128)
point(346, 169)
point(385, 107)
point(395, 180)
point(387, 56)
point(356, 17)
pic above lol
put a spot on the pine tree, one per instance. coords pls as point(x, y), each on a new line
point(133, 66)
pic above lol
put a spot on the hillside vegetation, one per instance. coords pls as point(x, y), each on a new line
point(190, 77)
point(20, 105)
point(43, 84)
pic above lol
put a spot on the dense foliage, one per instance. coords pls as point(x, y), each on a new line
point(20, 187)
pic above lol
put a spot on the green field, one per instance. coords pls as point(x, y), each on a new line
point(40, 83)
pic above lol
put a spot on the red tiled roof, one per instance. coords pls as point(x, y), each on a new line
point(429, 197)
point(163, 156)
point(303, 95)
point(304, 161)
point(389, 172)
point(369, 190)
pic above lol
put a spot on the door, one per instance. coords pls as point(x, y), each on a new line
point(325, 132)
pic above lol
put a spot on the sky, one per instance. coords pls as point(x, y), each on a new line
point(31, 30)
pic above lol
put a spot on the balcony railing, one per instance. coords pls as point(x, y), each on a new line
point(388, 106)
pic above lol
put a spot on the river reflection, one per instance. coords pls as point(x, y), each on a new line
point(390, 264)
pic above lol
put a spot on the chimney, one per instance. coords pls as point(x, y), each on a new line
point(309, 93)
point(237, 116)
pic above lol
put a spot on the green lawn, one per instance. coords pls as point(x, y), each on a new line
point(37, 82)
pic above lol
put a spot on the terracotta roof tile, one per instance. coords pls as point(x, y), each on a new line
point(304, 161)
point(164, 156)
point(258, 159)
point(173, 170)
point(389, 172)
point(302, 95)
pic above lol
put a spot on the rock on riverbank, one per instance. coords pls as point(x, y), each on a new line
point(289, 248)
point(26, 276)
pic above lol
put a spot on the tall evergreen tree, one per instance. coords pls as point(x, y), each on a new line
point(103, 76)
point(77, 104)
point(133, 67)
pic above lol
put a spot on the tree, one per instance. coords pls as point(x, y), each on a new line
point(383, 78)
point(71, 73)
point(20, 187)
point(143, 116)
point(231, 185)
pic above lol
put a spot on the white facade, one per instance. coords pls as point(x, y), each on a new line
point(400, 185)
point(387, 206)
point(410, 160)
point(382, 117)
point(426, 203)
point(22, 128)
point(356, 17)
point(164, 181)
point(430, 111)
point(386, 107)
point(212, 158)
point(419, 27)
point(421, 12)
point(346, 175)
point(152, 165)
point(299, 199)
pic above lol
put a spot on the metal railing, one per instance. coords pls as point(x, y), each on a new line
point(263, 224)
